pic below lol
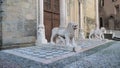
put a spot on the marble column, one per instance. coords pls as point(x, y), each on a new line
point(97, 13)
point(81, 15)
point(40, 23)
point(63, 13)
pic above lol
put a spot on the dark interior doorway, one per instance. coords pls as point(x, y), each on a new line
point(101, 22)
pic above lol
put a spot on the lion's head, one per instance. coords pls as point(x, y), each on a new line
point(103, 29)
point(72, 26)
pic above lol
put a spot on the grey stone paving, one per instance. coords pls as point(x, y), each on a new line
point(50, 51)
point(105, 56)
point(93, 42)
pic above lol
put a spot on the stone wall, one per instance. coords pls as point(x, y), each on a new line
point(1, 12)
point(73, 13)
point(89, 13)
point(19, 22)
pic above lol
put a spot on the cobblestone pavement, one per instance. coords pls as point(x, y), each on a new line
point(93, 42)
point(101, 57)
point(106, 58)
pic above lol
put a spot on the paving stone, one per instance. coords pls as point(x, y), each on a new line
point(105, 56)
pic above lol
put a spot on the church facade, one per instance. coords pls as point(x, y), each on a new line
point(20, 19)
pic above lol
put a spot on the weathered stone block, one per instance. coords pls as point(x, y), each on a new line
point(19, 22)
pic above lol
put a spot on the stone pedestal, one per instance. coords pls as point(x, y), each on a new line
point(81, 34)
point(41, 36)
point(108, 36)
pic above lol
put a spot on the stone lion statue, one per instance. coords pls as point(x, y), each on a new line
point(97, 33)
point(66, 35)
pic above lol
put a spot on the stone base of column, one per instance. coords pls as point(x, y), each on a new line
point(81, 34)
point(40, 41)
point(41, 36)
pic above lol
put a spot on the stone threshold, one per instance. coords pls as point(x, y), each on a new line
point(28, 63)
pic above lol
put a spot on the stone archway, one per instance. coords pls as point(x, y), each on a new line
point(111, 22)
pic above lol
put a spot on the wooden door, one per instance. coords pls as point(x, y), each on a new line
point(51, 16)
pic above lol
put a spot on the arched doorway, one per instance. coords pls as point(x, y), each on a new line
point(111, 22)
point(51, 16)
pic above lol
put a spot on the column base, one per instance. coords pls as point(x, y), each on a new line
point(41, 36)
point(41, 41)
point(81, 35)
